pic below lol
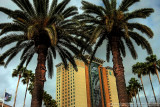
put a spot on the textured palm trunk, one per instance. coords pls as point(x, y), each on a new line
point(139, 99)
point(119, 73)
point(157, 73)
point(136, 98)
point(16, 90)
point(152, 88)
point(144, 90)
point(26, 93)
point(37, 94)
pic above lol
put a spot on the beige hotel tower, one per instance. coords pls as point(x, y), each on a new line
point(92, 86)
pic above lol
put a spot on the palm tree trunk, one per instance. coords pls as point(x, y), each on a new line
point(136, 98)
point(144, 90)
point(139, 99)
point(37, 94)
point(152, 88)
point(157, 73)
point(133, 102)
point(119, 73)
point(26, 93)
point(16, 90)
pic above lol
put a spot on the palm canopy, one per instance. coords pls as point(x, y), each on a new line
point(134, 85)
point(38, 24)
point(27, 76)
point(140, 69)
point(109, 22)
point(152, 63)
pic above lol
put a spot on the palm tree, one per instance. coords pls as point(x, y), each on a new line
point(44, 31)
point(135, 87)
point(17, 73)
point(27, 76)
point(153, 65)
point(139, 69)
point(112, 24)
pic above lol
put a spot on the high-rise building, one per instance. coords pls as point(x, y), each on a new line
point(71, 85)
point(92, 86)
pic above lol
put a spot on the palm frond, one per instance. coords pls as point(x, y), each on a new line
point(53, 6)
point(11, 38)
point(140, 40)
point(50, 63)
point(126, 4)
point(143, 28)
point(98, 44)
point(31, 53)
point(107, 4)
point(92, 9)
point(6, 11)
point(131, 48)
point(141, 13)
point(12, 27)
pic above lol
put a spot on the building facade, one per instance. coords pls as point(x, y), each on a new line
point(92, 86)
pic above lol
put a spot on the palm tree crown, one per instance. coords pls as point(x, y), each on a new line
point(108, 21)
point(111, 23)
point(38, 24)
point(38, 28)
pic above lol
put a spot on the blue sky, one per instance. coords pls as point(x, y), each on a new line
point(9, 83)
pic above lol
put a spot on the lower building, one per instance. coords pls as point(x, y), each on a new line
point(92, 86)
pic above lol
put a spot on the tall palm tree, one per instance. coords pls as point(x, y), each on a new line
point(112, 24)
point(42, 30)
point(153, 65)
point(139, 69)
point(135, 86)
point(27, 76)
point(17, 73)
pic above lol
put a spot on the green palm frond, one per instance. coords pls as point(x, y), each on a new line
point(53, 6)
point(107, 4)
point(92, 9)
point(141, 41)
point(140, 13)
point(6, 11)
point(113, 4)
point(70, 11)
point(126, 4)
point(26, 6)
point(122, 48)
point(131, 48)
point(11, 38)
point(12, 27)
point(13, 54)
point(27, 48)
point(142, 28)
point(31, 52)
point(50, 63)
point(60, 7)
point(98, 44)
